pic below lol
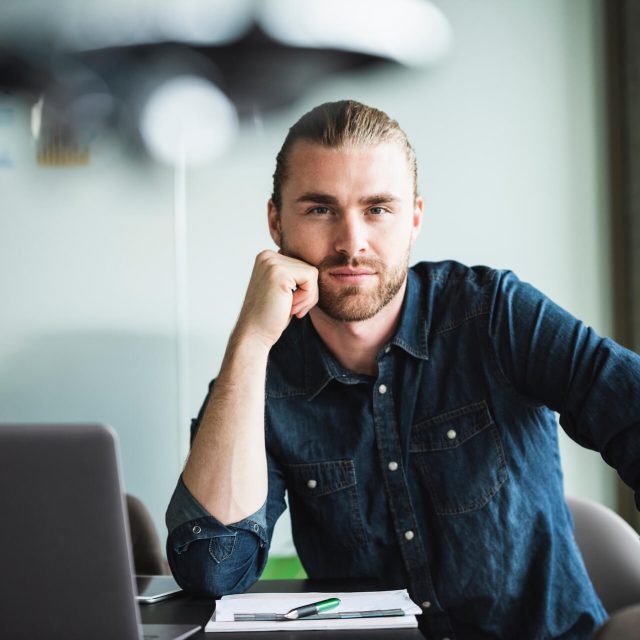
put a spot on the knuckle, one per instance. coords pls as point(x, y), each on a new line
point(264, 256)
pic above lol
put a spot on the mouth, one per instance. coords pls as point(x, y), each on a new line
point(352, 276)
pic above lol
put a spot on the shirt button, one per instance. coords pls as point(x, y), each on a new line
point(312, 484)
point(382, 389)
point(196, 529)
point(426, 604)
point(451, 434)
point(393, 465)
point(408, 535)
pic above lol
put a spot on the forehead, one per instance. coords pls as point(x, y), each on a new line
point(350, 169)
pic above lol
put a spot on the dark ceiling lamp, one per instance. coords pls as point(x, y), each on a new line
point(110, 65)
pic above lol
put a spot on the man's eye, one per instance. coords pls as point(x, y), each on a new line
point(319, 210)
point(376, 211)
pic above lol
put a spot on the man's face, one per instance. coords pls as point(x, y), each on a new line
point(351, 213)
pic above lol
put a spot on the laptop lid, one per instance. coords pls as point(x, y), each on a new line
point(66, 568)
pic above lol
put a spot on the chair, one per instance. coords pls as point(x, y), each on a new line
point(611, 551)
point(622, 625)
point(148, 558)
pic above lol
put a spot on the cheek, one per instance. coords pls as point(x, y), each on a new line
point(308, 245)
point(392, 244)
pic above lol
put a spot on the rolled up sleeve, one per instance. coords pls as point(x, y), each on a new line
point(208, 557)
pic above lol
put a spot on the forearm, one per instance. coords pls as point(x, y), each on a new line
point(227, 468)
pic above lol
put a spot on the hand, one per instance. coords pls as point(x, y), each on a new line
point(280, 287)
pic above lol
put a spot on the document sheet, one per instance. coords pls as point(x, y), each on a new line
point(234, 613)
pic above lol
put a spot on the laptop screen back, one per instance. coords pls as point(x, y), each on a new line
point(66, 563)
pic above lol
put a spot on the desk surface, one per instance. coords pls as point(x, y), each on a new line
point(186, 609)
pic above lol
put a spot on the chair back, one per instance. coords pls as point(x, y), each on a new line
point(622, 625)
point(610, 548)
point(148, 557)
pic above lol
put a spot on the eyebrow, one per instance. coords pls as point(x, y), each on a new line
point(325, 198)
point(322, 198)
point(380, 198)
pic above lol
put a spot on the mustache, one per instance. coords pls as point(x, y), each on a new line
point(332, 262)
point(340, 260)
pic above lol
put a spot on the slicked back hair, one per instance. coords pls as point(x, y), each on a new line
point(337, 125)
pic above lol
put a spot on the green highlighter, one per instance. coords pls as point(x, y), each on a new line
point(312, 609)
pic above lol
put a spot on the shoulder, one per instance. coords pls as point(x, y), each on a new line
point(452, 293)
point(449, 281)
point(451, 274)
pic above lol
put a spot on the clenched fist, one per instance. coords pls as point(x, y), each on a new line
point(280, 287)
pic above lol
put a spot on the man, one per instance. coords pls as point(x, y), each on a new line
point(408, 412)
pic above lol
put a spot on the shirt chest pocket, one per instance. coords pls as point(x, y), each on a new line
point(460, 459)
point(324, 502)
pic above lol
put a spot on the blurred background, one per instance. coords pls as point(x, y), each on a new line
point(137, 144)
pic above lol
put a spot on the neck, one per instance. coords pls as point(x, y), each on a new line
point(356, 344)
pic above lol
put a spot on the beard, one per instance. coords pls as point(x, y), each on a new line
point(354, 303)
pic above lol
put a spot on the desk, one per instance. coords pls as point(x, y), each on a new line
point(186, 609)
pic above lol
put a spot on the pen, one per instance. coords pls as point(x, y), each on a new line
point(345, 615)
point(311, 609)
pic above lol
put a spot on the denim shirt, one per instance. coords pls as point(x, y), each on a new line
point(442, 473)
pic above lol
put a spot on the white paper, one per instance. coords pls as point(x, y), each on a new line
point(223, 618)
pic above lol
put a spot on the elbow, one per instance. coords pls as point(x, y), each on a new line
point(218, 566)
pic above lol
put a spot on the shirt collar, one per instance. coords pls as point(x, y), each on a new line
point(413, 330)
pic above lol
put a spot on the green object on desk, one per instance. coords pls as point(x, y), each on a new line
point(283, 568)
point(311, 609)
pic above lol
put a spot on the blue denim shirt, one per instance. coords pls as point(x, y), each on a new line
point(442, 473)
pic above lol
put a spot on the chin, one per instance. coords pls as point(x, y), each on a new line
point(351, 309)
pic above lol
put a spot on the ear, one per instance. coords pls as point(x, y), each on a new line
point(418, 211)
point(274, 223)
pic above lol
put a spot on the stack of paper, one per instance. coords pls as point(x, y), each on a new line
point(234, 613)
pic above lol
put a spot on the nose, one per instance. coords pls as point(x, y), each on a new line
point(351, 237)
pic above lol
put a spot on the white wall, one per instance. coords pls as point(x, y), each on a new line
point(509, 137)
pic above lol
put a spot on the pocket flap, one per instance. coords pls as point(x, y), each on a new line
point(450, 429)
point(321, 478)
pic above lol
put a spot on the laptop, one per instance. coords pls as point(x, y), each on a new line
point(66, 569)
